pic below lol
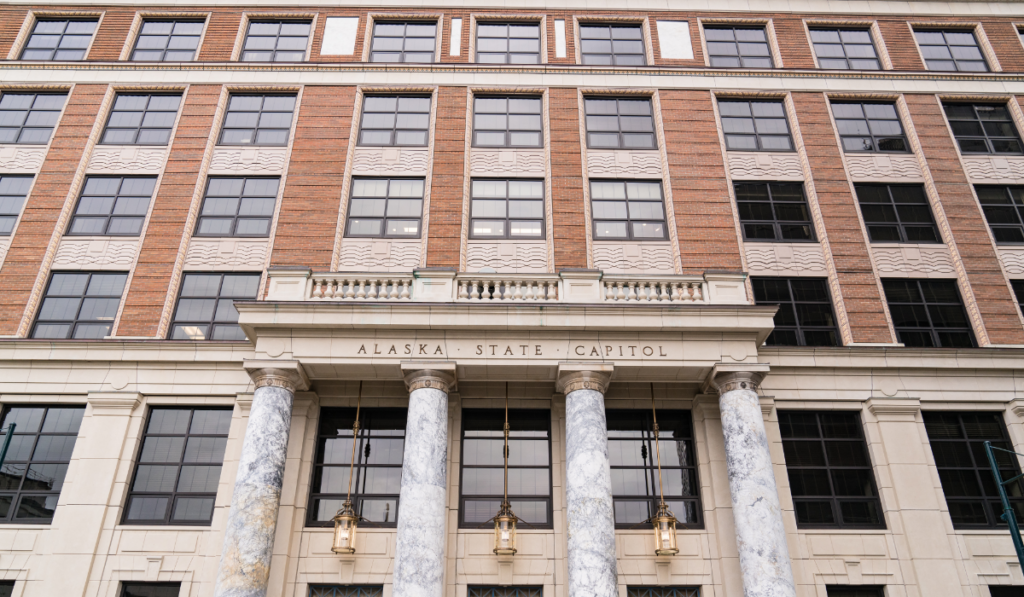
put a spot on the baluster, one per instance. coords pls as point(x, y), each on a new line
point(663, 294)
point(327, 288)
point(553, 295)
point(674, 292)
point(462, 290)
point(531, 293)
point(507, 292)
point(317, 292)
point(350, 292)
point(405, 290)
point(475, 295)
point(631, 295)
point(518, 294)
point(698, 292)
point(371, 291)
point(361, 293)
point(485, 290)
point(620, 295)
point(645, 290)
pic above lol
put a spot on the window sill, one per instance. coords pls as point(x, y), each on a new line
point(865, 531)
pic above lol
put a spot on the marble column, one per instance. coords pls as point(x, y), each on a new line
point(760, 534)
point(252, 522)
point(422, 505)
point(588, 482)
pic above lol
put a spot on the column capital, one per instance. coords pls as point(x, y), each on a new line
point(584, 376)
point(726, 377)
point(438, 375)
point(278, 374)
point(114, 402)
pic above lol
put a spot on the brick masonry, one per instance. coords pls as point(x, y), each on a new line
point(148, 292)
point(968, 225)
point(842, 225)
point(444, 240)
point(568, 215)
point(44, 205)
point(700, 191)
point(308, 218)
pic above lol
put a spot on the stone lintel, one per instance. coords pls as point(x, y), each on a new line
point(281, 374)
point(725, 377)
point(114, 402)
point(894, 409)
point(439, 375)
point(584, 376)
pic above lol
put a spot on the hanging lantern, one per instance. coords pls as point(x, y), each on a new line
point(345, 523)
point(665, 532)
point(505, 531)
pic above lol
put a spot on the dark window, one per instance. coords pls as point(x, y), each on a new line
point(378, 467)
point(1018, 291)
point(846, 49)
point(928, 313)
point(150, 589)
point(206, 310)
point(178, 467)
point(1002, 207)
point(505, 591)
point(258, 120)
point(869, 127)
point(6, 588)
point(529, 466)
point(774, 211)
point(276, 41)
point(13, 190)
point(1006, 591)
point(29, 118)
point(508, 43)
point(850, 591)
point(619, 45)
point(112, 206)
point(829, 469)
point(951, 51)
point(345, 591)
point(395, 121)
point(627, 210)
point(619, 123)
point(37, 460)
point(663, 592)
point(59, 40)
point(983, 128)
point(635, 466)
point(168, 41)
point(897, 213)
point(805, 316)
point(79, 305)
point(238, 207)
point(755, 125)
point(738, 46)
point(507, 209)
point(957, 440)
point(385, 208)
point(403, 42)
point(141, 119)
point(507, 122)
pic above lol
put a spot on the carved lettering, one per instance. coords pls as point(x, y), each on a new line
point(492, 347)
point(423, 349)
point(362, 349)
point(648, 351)
point(479, 349)
point(607, 350)
point(392, 350)
point(508, 351)
point(538, 353)
point(577, 351)
point(524, 347)
point(594, 353)
point(661, 351)
point(408, 349)
point(375, 351)
point(438, 350)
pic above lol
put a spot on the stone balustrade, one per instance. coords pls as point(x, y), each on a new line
point(674, 289)
point(507, 288)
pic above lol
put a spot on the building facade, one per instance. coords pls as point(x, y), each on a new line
point(763, 260)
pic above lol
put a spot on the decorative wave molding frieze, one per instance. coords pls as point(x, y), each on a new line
point(361, 255)
point(785, 259)
point(93, 253)
point(511, 162)
point(5, 244)
point(1013, 260)
point(764, 165)
point(377, 161)
point(622, 258)
point(249, 160)
point(914, 260)
point(628, 164)
point(127, 160)
point(226, 253)
point(995, 169)
point(14, 158)
point(507, 257)
point(884, 168)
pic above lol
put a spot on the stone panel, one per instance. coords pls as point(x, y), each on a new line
point(359, 255)
point(252, 161)
point(127, 160)
point(507, 256)
point(633, 258)
point(95, 253)
point(785, 259)
point(994, 169)
point(390, 161)
point(624, 164)
point(884, 168)
point(507, 162)
point(226, 253)
point(15, 158)
point(765, 166)
point(914, 261)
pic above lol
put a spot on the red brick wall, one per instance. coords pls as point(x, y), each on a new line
point(970, 231)
point(444, 241)
point(110, 37)
point(839, 213)
point(1002, 34)
point(148, 291)
point(44, 205)
point(308, 219)
point(793, 43)
point(899, 42)
point(568, 216)
point(700, 192)
point(11, 20)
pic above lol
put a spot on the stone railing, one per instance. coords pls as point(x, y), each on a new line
point(446, 286)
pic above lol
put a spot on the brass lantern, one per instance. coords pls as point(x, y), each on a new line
point(345, 522)
point(505, 521)
point(664, 522)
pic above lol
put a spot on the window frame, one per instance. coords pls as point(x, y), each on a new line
point(372, 31)
point(74, 323)
point(181, 463)
point(757, 135)
point(333, 590)
point(539, 414)
point(28, 113)
point(134, 585)
point(507, 219)
point(255, 130)
point(145, 111)
point(854, 591)
point(156, 18)
point(18, 493)
point(384, 218)
point(628, 220)
point(988, 139)
point(16, 217)
point(1018, 211)
point(50, 18)
point(705, 25)
point(619, 116)
point(640, 24)
point(486, 20)
point(811, 27)
point(775, 221)
point(901, 227)
point(257, 19)
point(505, 591)
point(793, 304)
point(972, 29)
point(236, 218)
point(110, 216)
point(661, 591)
point(213, 323)
point(931, 329)
point(395, 129)
point(868, 120)
point(508, 130)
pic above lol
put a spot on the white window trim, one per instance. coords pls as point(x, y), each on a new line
point(769, 29)
point(249, 17)
point(644, 22)
point(143, 16)
point(373, 17)
point(34, 16)
point(873, 30)
point(973, 26)
point(541, 19)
